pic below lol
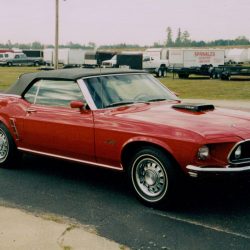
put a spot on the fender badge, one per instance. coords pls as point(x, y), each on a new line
point(110, 142)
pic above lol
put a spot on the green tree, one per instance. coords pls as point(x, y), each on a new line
point(169, 42)
point(36, 45)
point(185, 38)
point(178, 41)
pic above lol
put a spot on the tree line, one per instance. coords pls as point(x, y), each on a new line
point(182, 39)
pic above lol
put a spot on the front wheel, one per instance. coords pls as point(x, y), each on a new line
point(152, 176)
point(8, 151)
point(162, 72)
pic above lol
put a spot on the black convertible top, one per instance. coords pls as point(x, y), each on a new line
point(74, 74)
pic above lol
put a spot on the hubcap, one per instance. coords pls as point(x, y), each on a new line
point(4, 146)
point(150, 178)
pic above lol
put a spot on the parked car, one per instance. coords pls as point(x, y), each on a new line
point(22, 59)
point(124, 120)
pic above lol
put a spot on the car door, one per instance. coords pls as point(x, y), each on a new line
point(52, 127)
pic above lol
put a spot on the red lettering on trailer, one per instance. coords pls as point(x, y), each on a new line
point(204, 53)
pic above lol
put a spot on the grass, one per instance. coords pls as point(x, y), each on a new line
point(205, 88)
point(192, 88)
point(8, 75)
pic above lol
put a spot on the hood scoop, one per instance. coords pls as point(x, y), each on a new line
point(196, 107)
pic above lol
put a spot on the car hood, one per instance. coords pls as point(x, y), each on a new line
point(210, 124)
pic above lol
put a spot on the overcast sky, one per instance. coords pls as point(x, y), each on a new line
point(117, 21)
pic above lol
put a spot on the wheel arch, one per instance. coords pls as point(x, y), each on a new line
point(6, 122)
point(134, 146)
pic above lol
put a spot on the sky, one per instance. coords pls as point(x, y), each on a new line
point(140, 22)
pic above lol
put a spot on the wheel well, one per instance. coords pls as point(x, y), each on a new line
point(134, 147)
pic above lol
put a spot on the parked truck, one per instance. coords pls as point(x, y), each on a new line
point(137, 60)
point(21, 59)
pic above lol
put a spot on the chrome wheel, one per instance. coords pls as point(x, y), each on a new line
point(4, 146)
point(149, 178)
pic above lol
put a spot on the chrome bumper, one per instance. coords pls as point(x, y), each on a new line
point(194, 171)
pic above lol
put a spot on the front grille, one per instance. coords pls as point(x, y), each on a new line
point(244, 157)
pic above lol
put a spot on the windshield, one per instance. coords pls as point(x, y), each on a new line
point(116, 90)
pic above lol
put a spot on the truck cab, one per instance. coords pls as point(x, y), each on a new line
point(155, 65)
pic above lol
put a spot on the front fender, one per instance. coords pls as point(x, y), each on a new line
point(149, 140)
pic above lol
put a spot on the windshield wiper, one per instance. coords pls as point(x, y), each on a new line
point(115, 104)
point(157, 100)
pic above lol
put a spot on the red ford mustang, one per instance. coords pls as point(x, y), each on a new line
point(123, 120)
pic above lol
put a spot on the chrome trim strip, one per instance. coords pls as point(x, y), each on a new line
point(236, 145)
point(70, 159)
point(86, 94)
point(217, 170)
point(10, 95)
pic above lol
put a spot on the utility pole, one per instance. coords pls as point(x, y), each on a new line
point(56, 35)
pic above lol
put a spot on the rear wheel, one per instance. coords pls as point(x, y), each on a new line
point(153, 176)
point(8, 151)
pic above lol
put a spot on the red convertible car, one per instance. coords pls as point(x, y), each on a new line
point(124, 120)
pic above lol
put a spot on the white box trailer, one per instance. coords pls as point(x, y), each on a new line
point(66, 56)
point(196, 57)
point(159, 53)
point(236, 55)
point(248, 55)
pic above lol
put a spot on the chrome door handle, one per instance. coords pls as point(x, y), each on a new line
point(30, 110)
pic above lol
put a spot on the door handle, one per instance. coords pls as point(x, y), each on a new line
point(30, 110)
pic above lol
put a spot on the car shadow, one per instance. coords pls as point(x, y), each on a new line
point(225, 196)
point(79, 173)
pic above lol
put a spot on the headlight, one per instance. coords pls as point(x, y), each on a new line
point(237, 152)
point(203, 153)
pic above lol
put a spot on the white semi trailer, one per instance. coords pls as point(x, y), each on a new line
point(67, 56)
point(189, 57)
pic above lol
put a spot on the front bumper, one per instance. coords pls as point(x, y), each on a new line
point(196, 171)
